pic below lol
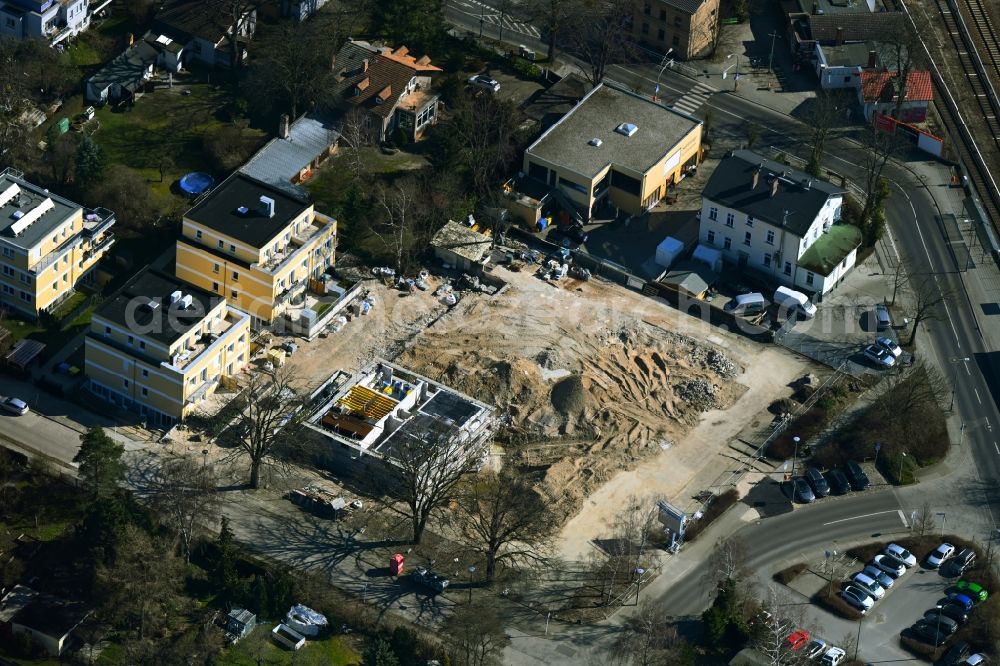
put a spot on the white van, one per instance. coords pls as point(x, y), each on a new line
point(747, 304)
point(794, 301)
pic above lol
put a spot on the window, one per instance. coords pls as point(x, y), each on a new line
point(125, 383)
point(788, 268)
point(25, 278)
point(730, 218)
point(142, 346)
point(215, 268)
point(767, 260)
point(843, 264)
point(232, 249)
point(749, 220)
point(7, 252)
point(676, 42)
point(131, 340)
point(645, 28)
point(713, 213)
point(663, 14)
point(727, 243)
point(711, 237)
point(677, 21)
point(770, 237)
point(230, 348)
point(197, 234)
point(222, 244)
point(647, 9)
point(847, 79)
point(236, 294)
point(215, 287)
point(55, 239)
point(145, 391)
point(107, 330)
point(810, 278)
point(661, 35)
point(8, 271)
point(236, 276)
point(746, 238)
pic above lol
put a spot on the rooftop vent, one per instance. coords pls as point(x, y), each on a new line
point(151, 304)
point(186, 301)
point(175, 296)
point(242, 210)
point(595, 142)
point(627, 129)
point(267, 206)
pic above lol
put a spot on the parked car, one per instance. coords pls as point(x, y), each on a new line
point(883, 579)
point(956, 654)
point(869, 585)
point(290, 347)
point(816, 481)
point(958, 599)
point(965, 559)
point(855, 596)
point(14, 406)
point(935, 616)
point(798, 639)
point(879, 357)
point(815, 649)
point(901, 554)
point(427, 578)
point(801, 492)
point(975, 660)
point(890, 565)
point(839, 485)
point(485, 83)
point(955, 612)
point(856, 476)
point(940, 554)
point(889, 345)
point(833, 657)
point(974, 591)
point(883, 320)
point(928, 633)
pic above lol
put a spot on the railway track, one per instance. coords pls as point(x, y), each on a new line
point(976, 157)
point(984, 26)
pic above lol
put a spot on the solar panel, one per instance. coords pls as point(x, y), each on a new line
point(9, 194)
point(32, 215)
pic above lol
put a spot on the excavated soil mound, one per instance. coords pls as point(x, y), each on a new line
point(568, 396)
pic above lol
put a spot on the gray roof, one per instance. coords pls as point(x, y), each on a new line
point(281, 159)
point(30, 197)
point(794, 207)
point(603, 109)
point(849, 55)
point(855, 27)
point(693, 277)
point(687, 6)
point(463, 241)
point(129, 67)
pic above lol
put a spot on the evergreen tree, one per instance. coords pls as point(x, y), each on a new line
point(90, 162)
point(100, 460)
point(379, 653)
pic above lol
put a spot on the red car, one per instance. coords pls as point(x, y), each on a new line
point(798, 639)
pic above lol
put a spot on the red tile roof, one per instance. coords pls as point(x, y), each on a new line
point(880, 87)
point(367, 75)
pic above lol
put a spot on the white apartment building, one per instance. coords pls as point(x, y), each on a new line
point(778, 221)
point(54, 20)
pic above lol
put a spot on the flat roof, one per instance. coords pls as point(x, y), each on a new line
point(220, 210)
point(849, 55)
point(28, 198)
point(165, 323)
point(658, 130)
point(462, 240)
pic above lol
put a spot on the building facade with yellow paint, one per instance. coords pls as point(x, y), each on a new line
point(50, 245)
point(615, 147)
point(160, 347)
point(255, 245)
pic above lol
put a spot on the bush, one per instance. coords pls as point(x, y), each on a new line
point(788, 574)
point(527, 69)
point(718, 506)
point(804, 427)
point(831, 600)
point(920, 648)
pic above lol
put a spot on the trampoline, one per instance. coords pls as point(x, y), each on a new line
point(196, 183)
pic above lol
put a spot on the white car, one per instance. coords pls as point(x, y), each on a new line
point(901, 554)
point(889, 345)
point(857, 597)
point(14, 406)
point(975, 660)
point(833, 657)
point(869, 585)
point(889, 565)
point(484, 82)
point(879, 356)
point(940, 554)
point(815, 649)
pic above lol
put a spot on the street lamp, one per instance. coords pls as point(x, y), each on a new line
point(954, 383)
point(736, 78)
point(666, 62)
point(899, 477)
point(770, 61)
point(472, 570)
point(639, 572)
point(943, 517)
point(795, 439)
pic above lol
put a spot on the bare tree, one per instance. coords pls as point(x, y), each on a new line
point(355, 135)
point(272, 407)
point(293, 64)
point(475, 637)
point(771, 640)
point(486, 127)
point(553, 17)
point(901, 51)
point(505, 520)
point(835, 566)
point(928, 296)
point(398, 202)
point(923, 523)
point(729, 561)
point(242, 16)
point(649, 638)
point(906, 392)
point(619, 556)
point(751, 131)
point(879, 148)
point(599, 34)
point(184, 491)
point(899, 280)
point(424, 470)
point(820, 119)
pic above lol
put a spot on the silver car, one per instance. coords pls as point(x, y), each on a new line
point(883, 579)
point(879, 356)
point(940, 554)
point(890, 565)
point(14, 406)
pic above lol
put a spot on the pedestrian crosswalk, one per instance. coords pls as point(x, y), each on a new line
point(489, 14)
point(692, 100)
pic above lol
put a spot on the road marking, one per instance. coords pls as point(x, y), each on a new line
point(867, 515)
point(997, 448)
point(967, 371)
point(976, 391)
point(903, 518)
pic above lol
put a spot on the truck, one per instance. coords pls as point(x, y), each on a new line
point(426, 578)
point(794, 302)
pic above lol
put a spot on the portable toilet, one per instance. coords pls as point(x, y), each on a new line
point(396, 564)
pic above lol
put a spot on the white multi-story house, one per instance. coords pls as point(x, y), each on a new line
point(778, 221)
point(54, 20)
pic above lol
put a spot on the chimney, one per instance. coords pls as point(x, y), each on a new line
point(871, 60)
point(840, 36)
point(815, 10)
point(364, 64)
point(774, 186)
point(756, 179)
point(267, 206)
point(283, 126)
point(401, 51)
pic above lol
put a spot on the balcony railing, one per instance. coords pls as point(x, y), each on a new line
point(97, 220)
point(203, 390)
point(100, 246)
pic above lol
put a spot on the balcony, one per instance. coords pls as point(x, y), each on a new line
point(295, 248)
point(191, 353)
point(100, 246)
point(96, 221)
point(56, 254)
point(203, 389)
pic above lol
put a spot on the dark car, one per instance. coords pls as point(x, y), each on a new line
point(941, 621)
point(801, 492)
point(965, 559)
point(817, 482)
point(955, 612)
point(839, 485)
point(856, 476)
point(955, 654)
point(928, 633)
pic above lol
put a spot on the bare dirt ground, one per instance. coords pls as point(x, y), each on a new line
point(595, 379)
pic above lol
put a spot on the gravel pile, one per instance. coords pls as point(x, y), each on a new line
point(698, 393)
point(713, 360)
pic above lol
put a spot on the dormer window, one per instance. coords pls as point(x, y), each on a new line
point(362, 86)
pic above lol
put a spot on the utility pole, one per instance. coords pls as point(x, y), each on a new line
point(482, 18)
point(770, 62)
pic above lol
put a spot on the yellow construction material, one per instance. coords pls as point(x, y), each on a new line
point(363, 400)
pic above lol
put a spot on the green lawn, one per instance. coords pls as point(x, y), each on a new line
point(831, 248)
point(258, 648)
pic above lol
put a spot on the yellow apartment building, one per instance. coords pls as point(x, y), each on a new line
point(685, 28)
point(160, 347)
point(256, 245)
point(615, 146)
point(50, 245)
